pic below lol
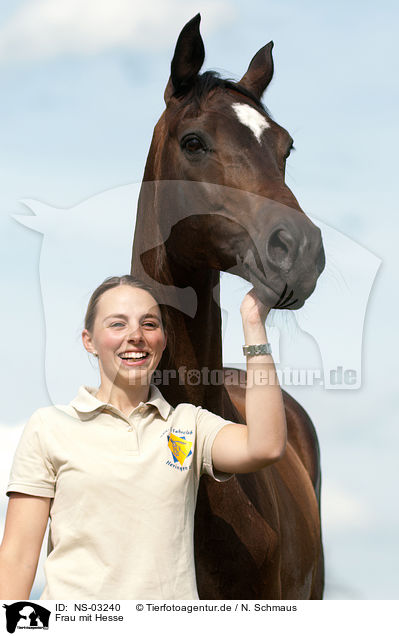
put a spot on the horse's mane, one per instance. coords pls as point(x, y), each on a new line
point(206, 83)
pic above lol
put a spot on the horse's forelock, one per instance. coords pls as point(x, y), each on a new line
point(209, 81)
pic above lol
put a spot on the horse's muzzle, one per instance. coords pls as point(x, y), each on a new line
point(288, 262)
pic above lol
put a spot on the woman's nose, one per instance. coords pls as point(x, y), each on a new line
point(136, 334)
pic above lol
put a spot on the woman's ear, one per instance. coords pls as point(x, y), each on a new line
point(88, 342)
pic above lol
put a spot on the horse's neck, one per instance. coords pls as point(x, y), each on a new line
point(196, 353)
point(191, 367)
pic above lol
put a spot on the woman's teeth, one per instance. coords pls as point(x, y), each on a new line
point(135, 355)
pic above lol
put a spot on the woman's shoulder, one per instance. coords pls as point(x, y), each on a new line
point(50, 414)
point(195, 409)
point(198, 414)
point(84, 401)
point(184, 409)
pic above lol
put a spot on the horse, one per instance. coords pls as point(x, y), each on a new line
point(213, 198)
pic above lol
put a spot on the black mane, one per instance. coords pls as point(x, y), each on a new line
point(207, 82)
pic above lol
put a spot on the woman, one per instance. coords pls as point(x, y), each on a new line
point(117, 469)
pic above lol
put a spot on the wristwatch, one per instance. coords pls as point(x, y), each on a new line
point(257, 350)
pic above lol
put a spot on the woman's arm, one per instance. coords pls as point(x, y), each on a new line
point(238, 448)
point(26, 523)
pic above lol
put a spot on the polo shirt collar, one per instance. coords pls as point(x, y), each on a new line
point(86, 401)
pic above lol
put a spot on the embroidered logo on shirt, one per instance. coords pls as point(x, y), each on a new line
point(180, 448)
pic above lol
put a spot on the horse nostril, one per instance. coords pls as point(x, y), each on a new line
point(281, 248)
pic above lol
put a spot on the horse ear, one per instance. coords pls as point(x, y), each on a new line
point(260, 71)
point(187, 60)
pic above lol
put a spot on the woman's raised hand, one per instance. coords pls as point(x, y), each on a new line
point(253, 311)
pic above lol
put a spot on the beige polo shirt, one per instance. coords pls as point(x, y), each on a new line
point(124, 490)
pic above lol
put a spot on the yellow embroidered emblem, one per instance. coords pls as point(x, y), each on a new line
point(179, 447)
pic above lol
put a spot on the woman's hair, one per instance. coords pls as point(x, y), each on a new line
point(116, 281)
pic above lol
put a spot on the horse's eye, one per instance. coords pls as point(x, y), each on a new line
point(192, 145)
point(287, 154)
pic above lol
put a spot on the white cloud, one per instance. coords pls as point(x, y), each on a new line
point(42, 29)
point(342, 510)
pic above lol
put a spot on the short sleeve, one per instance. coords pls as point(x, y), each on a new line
point(208, 426)
point(32, 472)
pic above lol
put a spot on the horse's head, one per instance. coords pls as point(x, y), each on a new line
point(223, 158)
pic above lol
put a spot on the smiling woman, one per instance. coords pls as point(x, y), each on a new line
point(117, 470)
point(124, 329)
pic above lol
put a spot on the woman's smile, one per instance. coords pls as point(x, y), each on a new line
point(133, 358)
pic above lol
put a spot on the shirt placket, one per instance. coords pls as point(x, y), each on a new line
point(131, 438)
point(133, 421)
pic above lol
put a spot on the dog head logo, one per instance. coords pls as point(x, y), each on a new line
point(26, 615)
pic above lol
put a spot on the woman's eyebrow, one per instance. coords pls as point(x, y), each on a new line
point(125, 317)
point(115, 316)
point(150, 316)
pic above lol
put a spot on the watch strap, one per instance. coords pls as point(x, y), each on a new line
point(257, 350)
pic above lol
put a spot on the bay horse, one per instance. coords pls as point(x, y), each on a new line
point(214, 198)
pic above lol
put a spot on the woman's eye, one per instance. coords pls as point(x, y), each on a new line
point(192, 145)
point(151, 325)
point(117, 324)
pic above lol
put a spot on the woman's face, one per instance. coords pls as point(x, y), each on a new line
point(127, 335)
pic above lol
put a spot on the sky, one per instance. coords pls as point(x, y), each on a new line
point(82, 88)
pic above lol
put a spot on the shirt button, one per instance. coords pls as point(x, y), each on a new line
point(130, 428)
point(141, 409)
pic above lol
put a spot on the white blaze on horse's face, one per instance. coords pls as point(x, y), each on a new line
point(252, 118)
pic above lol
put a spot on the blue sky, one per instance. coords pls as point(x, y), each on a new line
point(76, 117)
